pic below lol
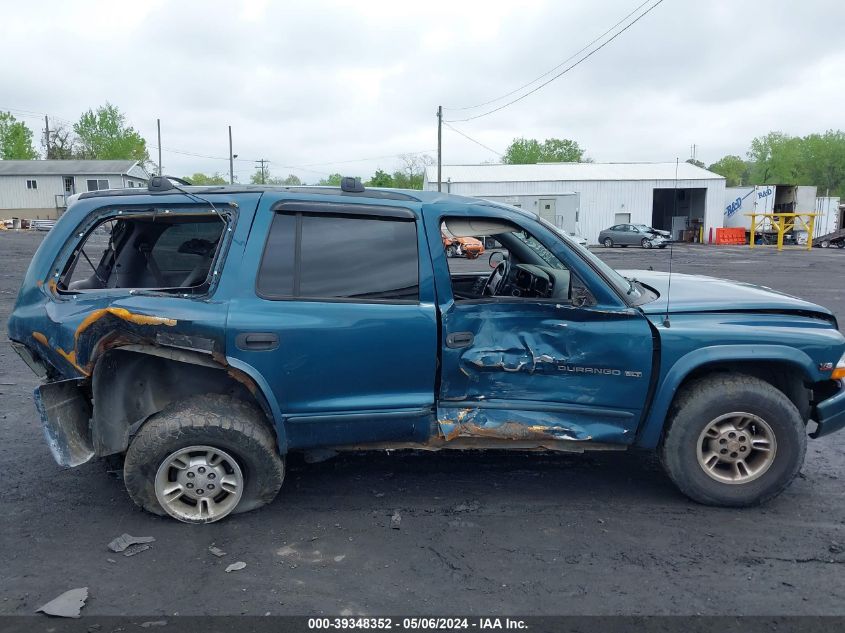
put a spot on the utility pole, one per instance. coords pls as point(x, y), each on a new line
point(439, 147)
point(158, 131)
point(262, 162)
point(46, 137)
point(231, 159)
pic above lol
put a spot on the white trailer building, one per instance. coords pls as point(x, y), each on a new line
point(585, 198)
point(39, 189)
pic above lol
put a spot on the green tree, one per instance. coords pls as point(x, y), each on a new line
point(412, 174)
point(104, 135)
point(62, 144)
point(823, 156)
point(15, 139)
point(381, 179)
point(735, 170)
point(524, 151)
point(776, 159)
point(265, 178)
point(332, 180)
point(696, 162)
point(204, 179)
point(292, 181)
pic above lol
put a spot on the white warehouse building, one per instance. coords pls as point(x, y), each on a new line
point(585, 198)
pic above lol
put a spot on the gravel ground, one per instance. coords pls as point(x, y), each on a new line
point(481, 533)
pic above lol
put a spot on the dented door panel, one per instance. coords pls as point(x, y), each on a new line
point(549, 369)
point(535, 422)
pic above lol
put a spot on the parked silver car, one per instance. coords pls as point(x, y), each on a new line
point(632, 235)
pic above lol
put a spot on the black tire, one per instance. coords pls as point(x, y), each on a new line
point(645, 243)
point(451, 251)
point(705, 400)
point(662, 246)
point(840, 244)
point(608, 243)
point(211, 420)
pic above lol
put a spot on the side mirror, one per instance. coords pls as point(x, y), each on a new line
point(496, 258)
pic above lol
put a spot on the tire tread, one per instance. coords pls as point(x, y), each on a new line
point(697, 394)
point(204, 419)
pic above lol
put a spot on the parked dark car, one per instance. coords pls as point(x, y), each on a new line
point(633, 235)
point(215, 330)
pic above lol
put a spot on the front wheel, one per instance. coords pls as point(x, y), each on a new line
point(645, 243)
point(608, 243)
point(203, 458)
point(451, 251)
point(733, 440)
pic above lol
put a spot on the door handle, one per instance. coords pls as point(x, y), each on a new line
point(459, 339)
point(257, 341)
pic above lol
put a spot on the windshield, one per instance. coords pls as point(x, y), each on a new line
point(633, 291)
point(539, 250)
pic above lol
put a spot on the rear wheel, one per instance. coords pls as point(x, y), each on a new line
point(608, 243)
point(825, 244)
point(203, 458)
point(733, 440)
point(840, 244)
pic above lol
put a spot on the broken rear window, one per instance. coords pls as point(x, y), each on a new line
point(157, 250)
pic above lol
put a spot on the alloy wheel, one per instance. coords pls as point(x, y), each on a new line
point(736, 448)
point(199, 484)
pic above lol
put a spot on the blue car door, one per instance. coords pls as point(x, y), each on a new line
point(338, 319)
point(520, 368)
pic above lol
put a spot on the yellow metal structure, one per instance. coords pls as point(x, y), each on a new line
point(783, 222)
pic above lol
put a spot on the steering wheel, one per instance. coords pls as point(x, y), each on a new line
point(497, 279)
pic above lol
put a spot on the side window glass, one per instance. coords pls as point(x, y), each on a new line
point(275, 276)
point(319, 256)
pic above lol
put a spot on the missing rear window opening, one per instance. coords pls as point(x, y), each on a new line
point(147, 250)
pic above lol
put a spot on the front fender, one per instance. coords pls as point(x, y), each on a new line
point(651, 430)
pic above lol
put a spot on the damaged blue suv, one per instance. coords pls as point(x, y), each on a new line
point(203, 333)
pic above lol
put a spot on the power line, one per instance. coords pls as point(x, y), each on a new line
point(469, 138)
point(561, 73)
point(549, 72)
point(31, 114)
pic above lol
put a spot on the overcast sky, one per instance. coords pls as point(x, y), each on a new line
point(309, 84)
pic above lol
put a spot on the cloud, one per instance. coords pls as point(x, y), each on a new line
point(305, 84)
